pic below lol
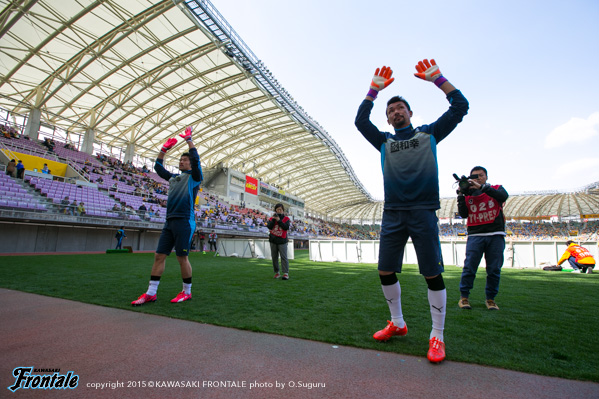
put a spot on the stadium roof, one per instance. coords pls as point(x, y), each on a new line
point(138, 72)
point(536, 206)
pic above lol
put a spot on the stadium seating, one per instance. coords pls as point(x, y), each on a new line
point(13, 195)
point(96, 203)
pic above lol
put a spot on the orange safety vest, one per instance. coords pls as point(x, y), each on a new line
point(582, 255)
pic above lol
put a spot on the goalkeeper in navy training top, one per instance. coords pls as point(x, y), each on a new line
point(411, 183)
point(180, 218)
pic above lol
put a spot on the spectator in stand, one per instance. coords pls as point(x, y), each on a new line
point(579, 258)
point(45, 169)
point(142, 211)
point(99, 180)
point(65, 206)
point(20, 170)
point(48, 144)
point(73, 207)
point(11, 167)
point(81, 208)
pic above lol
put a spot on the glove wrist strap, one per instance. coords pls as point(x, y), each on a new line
point(439, 81)
point(372, 93)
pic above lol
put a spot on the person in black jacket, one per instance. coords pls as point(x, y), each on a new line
point(278, 225)
point(482, 204)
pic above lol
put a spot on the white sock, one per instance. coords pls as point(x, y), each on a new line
point(437, 301)
point(393, 296)
point(153, 287)
point(187, 288)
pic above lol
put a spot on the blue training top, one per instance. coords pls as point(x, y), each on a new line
point(183, 188)
point(409, 157)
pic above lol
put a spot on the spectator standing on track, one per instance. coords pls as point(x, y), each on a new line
point(212, 237)
point(120, 234)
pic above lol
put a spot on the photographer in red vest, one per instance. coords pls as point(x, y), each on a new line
point(278, 225)
point(482, 205)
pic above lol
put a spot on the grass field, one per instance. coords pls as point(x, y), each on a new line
point(547, 324)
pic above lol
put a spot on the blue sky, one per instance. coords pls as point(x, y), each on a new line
point(528, 68)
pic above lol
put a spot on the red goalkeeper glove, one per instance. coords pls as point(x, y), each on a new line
point(170, 143)
point(187, 135)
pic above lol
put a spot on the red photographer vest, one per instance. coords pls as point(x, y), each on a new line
point(277, 231)
point(482, 209)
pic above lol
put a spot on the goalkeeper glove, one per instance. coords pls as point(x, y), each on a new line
point(382, 78)
point(430, 71)
point(170, 143)
point(187, 135)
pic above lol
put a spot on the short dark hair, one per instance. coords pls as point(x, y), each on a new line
point(569, 242)
point(279, 206)
point(186, 154)
point(479, 168)
point(397, 99)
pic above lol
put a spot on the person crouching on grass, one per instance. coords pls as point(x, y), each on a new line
point(180, 218)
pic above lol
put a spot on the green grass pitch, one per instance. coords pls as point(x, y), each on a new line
point(547, 324)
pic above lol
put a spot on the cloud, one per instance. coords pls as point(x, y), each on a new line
point(579, 166)
point(575, 130)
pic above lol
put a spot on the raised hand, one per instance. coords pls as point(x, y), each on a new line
point(430, 71)
point(187, 135)
point(382, 78)
point(170, 143)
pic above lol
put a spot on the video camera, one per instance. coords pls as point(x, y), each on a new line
point(463, 183)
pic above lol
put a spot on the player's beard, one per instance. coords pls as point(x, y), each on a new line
point(400, 121)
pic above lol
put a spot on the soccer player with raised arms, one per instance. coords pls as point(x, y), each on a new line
point(180, 218)
point(411, 183)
